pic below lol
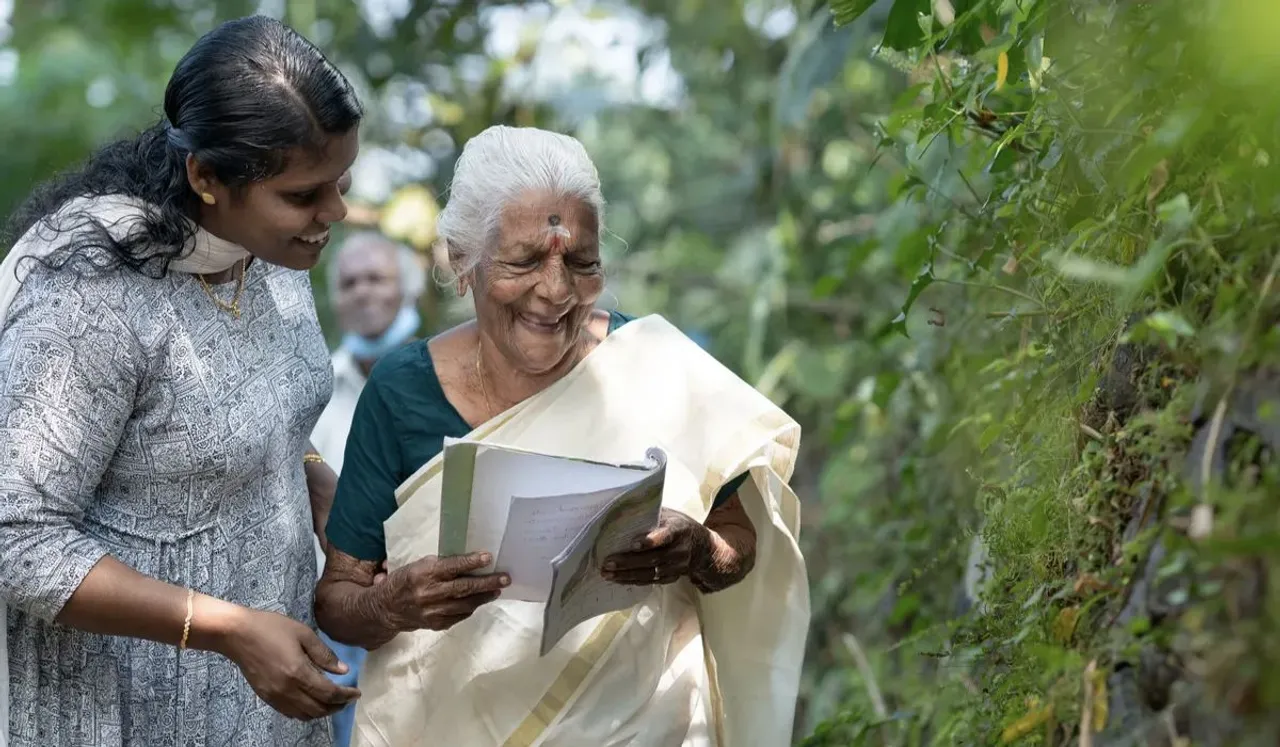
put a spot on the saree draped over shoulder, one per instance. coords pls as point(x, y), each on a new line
point(679, 670)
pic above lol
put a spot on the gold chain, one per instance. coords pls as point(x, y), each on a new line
point(234, 306)
point(484, 390)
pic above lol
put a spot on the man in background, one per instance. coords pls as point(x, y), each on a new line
point(374, 285)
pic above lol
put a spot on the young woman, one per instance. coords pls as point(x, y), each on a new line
point(161, 367)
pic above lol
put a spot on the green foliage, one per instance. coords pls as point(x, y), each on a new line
point(848, 11)
point(1101, 188)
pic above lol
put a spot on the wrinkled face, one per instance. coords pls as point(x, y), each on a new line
point(284, 220)
point(536, 290)
point(368, 294)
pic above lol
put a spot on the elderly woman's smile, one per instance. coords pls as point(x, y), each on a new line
point(547, 326)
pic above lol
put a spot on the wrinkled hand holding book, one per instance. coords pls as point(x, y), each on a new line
point(553, 543)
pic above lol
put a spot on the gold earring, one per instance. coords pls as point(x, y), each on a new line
point(208, 198)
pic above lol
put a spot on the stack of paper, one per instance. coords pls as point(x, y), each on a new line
point(554, 521)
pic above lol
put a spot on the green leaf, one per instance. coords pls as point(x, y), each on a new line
point(848, 11)
point(1035, 61)
point(886, 384)
point(826, 286)
point(818, 57)
point(909, 182)
point(902, 29)
point(923, 280)
point(1179, 131)
point(1004, 160)
point(989, 435)
point(966, 32)
point(1052, 155)
point(990, 54)
point(897, 324)
point(1152, 262)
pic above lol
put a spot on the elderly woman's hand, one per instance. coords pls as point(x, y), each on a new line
point(714, 556)
point(322, 483)
point(433, 593)
point(663, 556)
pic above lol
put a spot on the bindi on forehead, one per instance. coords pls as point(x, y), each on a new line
point(558, 236)
point(538, 223)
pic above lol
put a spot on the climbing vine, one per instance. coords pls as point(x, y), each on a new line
point(1082, 404)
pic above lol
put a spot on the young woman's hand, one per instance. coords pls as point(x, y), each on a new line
point(284, 661)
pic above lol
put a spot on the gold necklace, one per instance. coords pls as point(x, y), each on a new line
point(234, 306)
point(484, 390)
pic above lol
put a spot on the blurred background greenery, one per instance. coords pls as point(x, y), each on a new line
point(1009, 262)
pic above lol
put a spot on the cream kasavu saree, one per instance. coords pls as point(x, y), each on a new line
point(680, 670)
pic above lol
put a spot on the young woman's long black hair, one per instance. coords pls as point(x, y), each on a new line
point(248, 93)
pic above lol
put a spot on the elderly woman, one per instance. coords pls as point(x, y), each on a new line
point(713, 654)
point(161, 367)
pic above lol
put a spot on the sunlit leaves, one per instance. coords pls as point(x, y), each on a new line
point(1036, 715)
point(1064, 625)
point(848, 11)
point(1175, 218)
point(1122, 181)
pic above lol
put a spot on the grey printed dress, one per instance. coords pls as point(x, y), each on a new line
point(138, 420)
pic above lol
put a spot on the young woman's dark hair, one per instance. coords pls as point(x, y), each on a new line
point(246, 96)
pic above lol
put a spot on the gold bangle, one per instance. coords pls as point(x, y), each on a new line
point(312, 458)
point(186, 625)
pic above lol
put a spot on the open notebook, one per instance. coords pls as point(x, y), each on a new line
point(550, 522)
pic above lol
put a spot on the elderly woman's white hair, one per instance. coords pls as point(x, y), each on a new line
point(497, 167)
point(413, 276)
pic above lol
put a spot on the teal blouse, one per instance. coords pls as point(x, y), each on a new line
point(400, 423)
